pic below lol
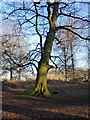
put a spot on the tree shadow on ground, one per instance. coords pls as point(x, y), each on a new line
point(57, 100)
point(28, 107)
point(35, 114)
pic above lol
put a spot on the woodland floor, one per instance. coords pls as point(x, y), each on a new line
point(68, 101)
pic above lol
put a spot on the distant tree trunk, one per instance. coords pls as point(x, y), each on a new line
point(41, 80)
point(72, 58)
point(20, 60)
point(65, 60)
point(11, 70)
point(19, 74)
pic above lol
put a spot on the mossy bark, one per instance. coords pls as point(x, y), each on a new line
point(41, 80)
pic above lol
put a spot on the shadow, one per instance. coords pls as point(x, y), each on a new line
point(57, 100)
point(35, 114)
point(40, 108)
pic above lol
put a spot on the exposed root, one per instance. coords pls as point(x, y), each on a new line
point(41, 90)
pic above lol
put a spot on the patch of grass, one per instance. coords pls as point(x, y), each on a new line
point(29, 96)
point(23, 95)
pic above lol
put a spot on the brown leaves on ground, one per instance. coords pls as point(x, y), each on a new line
point(68, 101)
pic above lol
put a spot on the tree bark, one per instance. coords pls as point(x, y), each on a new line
point(41, 80)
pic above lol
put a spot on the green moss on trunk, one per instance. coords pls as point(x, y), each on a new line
point(41, 81)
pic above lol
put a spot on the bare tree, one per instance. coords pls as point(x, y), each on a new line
point(31, 16)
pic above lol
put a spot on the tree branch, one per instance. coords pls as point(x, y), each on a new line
point(68, 29)
point(20, 65)
point(72, 16)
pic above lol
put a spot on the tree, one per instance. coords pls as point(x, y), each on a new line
point(12, 48)
point(7, 64)
point(65, 42)
point(72, 58)
point(32, 15)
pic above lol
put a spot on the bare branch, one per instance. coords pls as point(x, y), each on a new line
point(73, 16)
point(18, 64)
point(70, 30)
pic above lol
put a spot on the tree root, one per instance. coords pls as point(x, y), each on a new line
point(43, 91)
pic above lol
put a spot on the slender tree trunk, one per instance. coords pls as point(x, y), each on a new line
point(11, 77)
point(19, 74)
point(41, 80)
point(72, 58)
point(65, 60)
point(20, 70)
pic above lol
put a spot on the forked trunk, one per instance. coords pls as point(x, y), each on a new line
point(41, 80)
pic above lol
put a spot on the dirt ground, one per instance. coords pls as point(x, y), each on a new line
point(68, 101)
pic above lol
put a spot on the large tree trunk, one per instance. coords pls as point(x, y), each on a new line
point(41, 80)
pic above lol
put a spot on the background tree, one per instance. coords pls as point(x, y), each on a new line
point(9, 51)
